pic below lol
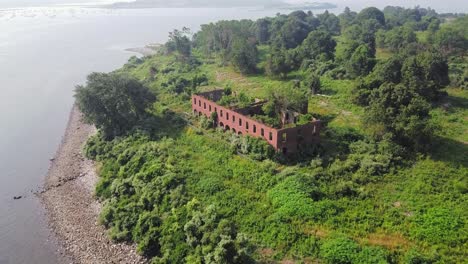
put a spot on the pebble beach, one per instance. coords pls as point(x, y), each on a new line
point(71, 207)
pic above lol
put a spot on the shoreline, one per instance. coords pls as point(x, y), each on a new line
point(148, 50)
point(71, 208)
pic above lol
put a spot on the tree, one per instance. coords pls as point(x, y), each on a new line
point(356, 35)
point(387, 71)
point(347, 18)
point(281, 99)
point(436, 68)
point(114, 103)
point(262, 30)
point(368, 29)
point(218, 38)
point(426, 73)
point(330, 22)
point(372, 13)
point(434, 25)
point(318, 42)
point(345, 49)
point(399, 111)
point(293, 32)
point(244, 56)
point(180, 42)
point(312, 82)
point(398, 38)
point(361, 62)
point(279, 63)
point(450, 40)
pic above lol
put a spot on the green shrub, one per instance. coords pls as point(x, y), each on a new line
point(415, 257)
point(371, 255)
point(291, 198)
point(439, 225)
point(339, 250)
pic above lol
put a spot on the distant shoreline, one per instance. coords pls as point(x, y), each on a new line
point(140, 4)
point(148, 50)
point(71, 207)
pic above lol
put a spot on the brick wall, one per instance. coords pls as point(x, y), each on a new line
point(285, 140)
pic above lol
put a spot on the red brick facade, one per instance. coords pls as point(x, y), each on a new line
point(286, 140)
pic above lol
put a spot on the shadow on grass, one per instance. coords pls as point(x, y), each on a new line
point(168, 124)
point(451, 151)
point(453, 104)
point(325, 118)
point(334, 143)
point(328, 91)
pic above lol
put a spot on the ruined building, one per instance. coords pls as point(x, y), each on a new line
point(241, 120)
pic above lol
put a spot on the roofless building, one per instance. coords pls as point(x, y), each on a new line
point(241, 120)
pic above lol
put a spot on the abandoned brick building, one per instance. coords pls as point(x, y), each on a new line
point(240, 120)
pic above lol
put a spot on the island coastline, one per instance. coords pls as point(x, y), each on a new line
point(71, 207)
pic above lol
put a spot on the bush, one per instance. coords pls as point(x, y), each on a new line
point(291, 198)
point(256, 148)
point(371, 255)
point(439, 225)
point(339, 250)
point(415, 257)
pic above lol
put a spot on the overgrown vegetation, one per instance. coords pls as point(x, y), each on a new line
point(387, 184)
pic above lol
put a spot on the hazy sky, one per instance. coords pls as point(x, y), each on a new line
point(440, 6)
point(22, 3)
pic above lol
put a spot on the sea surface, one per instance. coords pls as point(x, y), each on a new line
point(44, 52)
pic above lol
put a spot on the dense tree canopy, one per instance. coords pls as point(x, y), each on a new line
point(219, 37)
point(452, 39)
point(372, 13)
point(347, 18)
point(180, 42)
point(318, 44)
point(312, 82)
point(279, 63)
point(244, 55)
point(361, 62)
point(401, 112)
point(293, 31)
point(418, 17)
point(396, 38)
point(262, 30)
point(114, 103)
point(426, 73)
point(330, 22)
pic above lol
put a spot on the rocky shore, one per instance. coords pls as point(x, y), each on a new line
point(71, 207)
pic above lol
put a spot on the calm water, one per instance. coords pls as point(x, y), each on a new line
point(44, 53)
